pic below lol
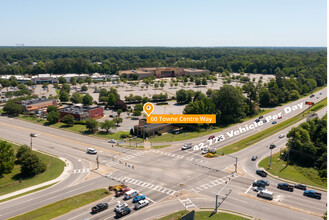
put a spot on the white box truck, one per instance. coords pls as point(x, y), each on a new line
point(131, 194)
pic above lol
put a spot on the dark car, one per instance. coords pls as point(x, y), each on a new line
point(260, 117)
point(99, 207)
point(264, 121)
point(261, 183)
point(300, 186)
point(272, 146)
point(262, 173)
point(285, 186)
point(312, 96)
point(257, 120)
point(274, 122)
point(122, 212)
point(254, 158)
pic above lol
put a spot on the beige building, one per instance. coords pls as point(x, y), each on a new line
point(161, 72)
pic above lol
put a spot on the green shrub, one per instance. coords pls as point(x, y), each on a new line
point(123, 136)
point(80, 122)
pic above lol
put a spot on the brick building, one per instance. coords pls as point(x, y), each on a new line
point(152, 129)
point(81, 113)
point(34, 105)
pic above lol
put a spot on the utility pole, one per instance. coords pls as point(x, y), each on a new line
point(97, 161)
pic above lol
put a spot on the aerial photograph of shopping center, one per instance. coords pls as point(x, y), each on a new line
point(169, 110)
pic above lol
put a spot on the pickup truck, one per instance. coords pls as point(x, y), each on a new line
point(286, 186)
point(121, 191)
point(313, 194)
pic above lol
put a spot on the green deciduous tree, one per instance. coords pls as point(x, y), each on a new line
point(53, 117)
point(12, 108)
point(107, 125)
point(87, 100)
point(64, 96)
point(7, 158)
point(92, 125)
point(32, 165)
point(68, 119)
point(76, 98)
point(52, 108)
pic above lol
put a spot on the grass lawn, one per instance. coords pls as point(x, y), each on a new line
point(194, 134)
point(64, 206)
point(239, 145)
point(201, 215)
point(14, 181)
point(305, 175)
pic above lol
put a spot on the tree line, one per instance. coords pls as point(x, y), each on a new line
point(311, 62)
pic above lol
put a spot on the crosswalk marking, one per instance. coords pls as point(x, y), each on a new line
point(213, 183)
point(81, 170)
point(177, 156)
point(143, 184)
point(187, 203)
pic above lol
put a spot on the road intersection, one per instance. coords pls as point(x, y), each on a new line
point(170, 178)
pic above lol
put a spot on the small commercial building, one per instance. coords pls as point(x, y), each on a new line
point(152, 129)
point(81, 113)
point(35, 105)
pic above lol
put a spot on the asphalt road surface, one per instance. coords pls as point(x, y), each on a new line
point(171, 179)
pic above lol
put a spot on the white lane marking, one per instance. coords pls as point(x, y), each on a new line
point(248, 189)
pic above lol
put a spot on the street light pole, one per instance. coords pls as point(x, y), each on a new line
point(31, 141)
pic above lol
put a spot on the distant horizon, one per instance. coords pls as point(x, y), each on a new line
point(171, 23)
point(172, 46)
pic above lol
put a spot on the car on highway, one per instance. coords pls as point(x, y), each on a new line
point(99, 207)
point(258, 188)
point(138, 198)
point(312, 193)
point(112, 141)
point(320, 93)
point(265, 194)
point(262, 173)
point(257, 120)
point(141, 204)
point(272, 146)
point(264, 121)
point(311, 96)
point(33, 135)
point(205, 151)
point(300, 186)
point(280, 117)
point(120, 206)
point(261, 183)
point(91, 151)
point(260, 117)
point(186, 146)
point(253, 158)
point(122, 212)
point(281, 136)
point(285, 186)
point(211, 137)
point(274, 122)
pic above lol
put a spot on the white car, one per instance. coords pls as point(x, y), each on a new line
point(281, 136)
point(120, 206)
point(258, 188)
point(205, 151)
point(91, 151)
point(112, 141)
point(141, 204)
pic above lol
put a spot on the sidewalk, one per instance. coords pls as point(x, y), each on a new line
point(63, 176)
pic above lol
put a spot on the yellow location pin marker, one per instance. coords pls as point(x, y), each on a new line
point(148, 108)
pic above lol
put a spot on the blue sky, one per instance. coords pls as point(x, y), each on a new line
point(174, 23)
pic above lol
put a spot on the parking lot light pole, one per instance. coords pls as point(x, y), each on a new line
point(270, 159)
point(31, 135)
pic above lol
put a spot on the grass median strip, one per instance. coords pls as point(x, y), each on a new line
point(201, 215)
point(305, 175)
point(32, 191)
point(239, 145)
point(64, 206)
